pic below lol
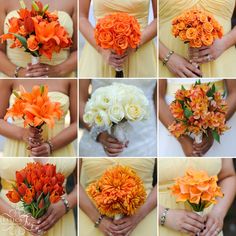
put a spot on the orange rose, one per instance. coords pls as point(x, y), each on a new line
point(121, 44)
point(191, 33)
point(207, 27)
point(32, 43)
point(182, 35)
point(207, 39)
point(122, 28)
point(181, 26)
point(106, 39)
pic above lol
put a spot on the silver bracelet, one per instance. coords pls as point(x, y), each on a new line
point(16, 71)
point(163, 216)
point(98, 221)
point(96, 130)
point(49, 142)
point(66, 204)
point(167, 58)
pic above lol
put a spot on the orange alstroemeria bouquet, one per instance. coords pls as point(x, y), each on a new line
point(197, 188)
point(37, 186)
point(35, 108)
point(118, 32)
point(38, 31)
point(199, 110)
point(119, 192)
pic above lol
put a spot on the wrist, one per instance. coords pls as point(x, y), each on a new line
point(58, 71)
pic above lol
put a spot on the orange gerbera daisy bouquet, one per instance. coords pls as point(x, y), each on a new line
point(197, 27)
point(35, 107)
point(197, 189)
point(120, 191)
point(38, 31)
point(37, 187)
point(199, 110)
point(118, 32)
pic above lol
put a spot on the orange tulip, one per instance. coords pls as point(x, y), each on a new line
point(13, 196)
point(22, 189)
point(54, 197)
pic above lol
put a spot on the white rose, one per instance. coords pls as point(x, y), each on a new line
point(116, 113)
point(88, 117)
point(102, 119)
point(134, 112)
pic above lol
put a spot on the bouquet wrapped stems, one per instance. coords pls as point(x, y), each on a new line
point(119, 131)
point(34, 60)
point(198, 138)
point(119, 73)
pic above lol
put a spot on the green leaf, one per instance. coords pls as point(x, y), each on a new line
point(198, 82)
point(22, 40)
point(183, 88)
point(215, 135)
point(22, 4)
point(213, 88)
point(210, 93)
point(188, 113)
point(45, 8)
point(35, 6)
point(16, 94)
point(41, 89)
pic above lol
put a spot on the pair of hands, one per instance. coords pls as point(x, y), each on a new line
point(38, 70)
point(121, 227)
point(111, 146)
point(182, 67)
point(38, 148)
point(40, 226)
point(193, 224)
point(191, 148)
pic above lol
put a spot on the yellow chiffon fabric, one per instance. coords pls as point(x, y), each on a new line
point(92, 169)
point(172, 168)
point(20, 58)
point(222, 10)
point(15, 148)
point(8, 167)
point(142, 63)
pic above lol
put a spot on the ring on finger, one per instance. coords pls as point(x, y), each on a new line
point(218, 231)
point(209, 57)
point(110, 234)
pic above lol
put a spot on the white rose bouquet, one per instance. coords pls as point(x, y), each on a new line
point(113, 107)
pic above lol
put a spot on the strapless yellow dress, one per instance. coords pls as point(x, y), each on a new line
point(20, 58)
point(142, 63)
point(8, 167)
point(92, 169)
point(15, 148)
point(172, 168)
point(224, 66)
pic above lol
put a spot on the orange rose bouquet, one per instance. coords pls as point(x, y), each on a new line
point(38, 31)
point(197, 189)
point(118, 32)
point(37, 186)
point(120, 191)
point(35, 108)
point(197, 27)
point(199, 110)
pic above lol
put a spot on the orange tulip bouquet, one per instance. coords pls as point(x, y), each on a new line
point(197, 111)
point(197, 189)
point(118, 32)
point(119, 192)
point(37, 187)
point(197, 27)
point(38, 31)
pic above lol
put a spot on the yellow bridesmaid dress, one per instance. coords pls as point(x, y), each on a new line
point(20, 58)
point(8, 167)
point(142, 63)
point(224, 66)
point(172, 168)
point(92, 169)
point(15, 148)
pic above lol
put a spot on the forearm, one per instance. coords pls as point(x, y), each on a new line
point(11, 131)
point(65, 137)
point(6, 210)
point(149, 32)
point(163, 50)
point(231, 101)
point(165, 115)
point(6, 66)
point(230, 39)
point(72, 198)
point(87, 206)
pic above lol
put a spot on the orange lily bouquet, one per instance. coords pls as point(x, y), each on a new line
point(120, 191)
point(197, 111)
point(38, 31)
point(37, 187)
point(34, 108)
point(118, 32)
point(197, 188)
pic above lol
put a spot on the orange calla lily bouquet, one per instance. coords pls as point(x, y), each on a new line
point(34, 108)
point(198, 110)
point(37, 186)
point(197, 188)
point(38, 31)
point(118, 32)
point(120, 191)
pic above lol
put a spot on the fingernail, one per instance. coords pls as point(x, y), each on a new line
point(27, 74)
point(27, 68)
point(205, 227)
point(47, 68)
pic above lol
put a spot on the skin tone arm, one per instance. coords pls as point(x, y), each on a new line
point(67, 135)
point(227, 179)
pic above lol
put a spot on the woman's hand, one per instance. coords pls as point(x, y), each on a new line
point(214, 225)
point(126, 225)
point(107, 226)
point(111, 146)
point(185, 222)
point(54, 213)
point(206, 54)
point(187, 145)
point(32, 136)
point(41, 150)
point(112, 59)
point(203, 147)
point(182, 68)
